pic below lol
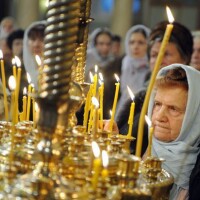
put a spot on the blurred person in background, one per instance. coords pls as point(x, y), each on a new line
point(33, 44)
point(99, 53)
point(134, 64)
point(195, 60)
point(116, 46)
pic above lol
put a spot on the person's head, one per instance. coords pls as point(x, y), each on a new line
point(103, 42)
point(36, 39)
point(116, 45)
point(170, 104)
point(195, 60)
point(179, 48)
point(7, 26)
point(15, 42)
point(136, 41)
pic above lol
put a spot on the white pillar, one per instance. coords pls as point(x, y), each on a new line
point(122, 18)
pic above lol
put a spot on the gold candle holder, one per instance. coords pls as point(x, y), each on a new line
point(128, 170)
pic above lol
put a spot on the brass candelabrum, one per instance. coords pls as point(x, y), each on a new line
point(55, 161)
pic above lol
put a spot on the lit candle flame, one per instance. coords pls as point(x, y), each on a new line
point(13, 61)
point(12, 83)
point(95, 102)
point(91, 77)
point(100, 82)
point(101, 76)
point(28, 77)
point(169, 15)
point(96, 68)
point(36, 107)
point(105, 159)
point(117, 78)
point(25, 91)
point(1, 54)
point(148, 121)
point(38, 60)
point(95, 149)
point(131, 94)
point(17, 61)
point(110, 113)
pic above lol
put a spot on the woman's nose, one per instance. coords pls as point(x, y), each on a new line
point(161, 114)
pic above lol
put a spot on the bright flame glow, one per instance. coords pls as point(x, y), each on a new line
point(28, 77)
point(169, 15)
point(1, 54)
point(36, 107)
point(91, 77)
point(18, 61)
point(110, 113)
point(38, 60)
point(12, 82)
point(101, 76)
point(95, 102)
point(96, 68)
point(95, 149)
point(13, 61)
point(117, 78)
point(105, 158)
point(32, 85)
point(100, 82)
point(25, 91)
point(131, 94)
point(148, 121)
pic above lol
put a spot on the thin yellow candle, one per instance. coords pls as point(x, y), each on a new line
point(29, 97)
point(152, 80)
point(105, 162)
point(18, 63)
point(33, 107)
point(12, 86)
point(90, 105)
point(95, 115)
point(151, 129)
point(96, 165)
point(131, 114)
point(24, 104)
point(3, 78)
point(88, 102)
point(114, 103)
point(101, 93)
point(95, 81)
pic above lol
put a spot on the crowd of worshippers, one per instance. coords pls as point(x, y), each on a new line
point(174, 106)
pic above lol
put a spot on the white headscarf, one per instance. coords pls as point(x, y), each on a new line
point(93, 57)
point(181, 154)
point(29, 60)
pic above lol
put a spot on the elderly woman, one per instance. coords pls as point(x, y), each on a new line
point(174, 108)
point(178, 50)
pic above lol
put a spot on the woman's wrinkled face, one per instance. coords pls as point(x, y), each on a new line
point(168, 112)
point(137, 45)
point(171, 55)
point(36, 45)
